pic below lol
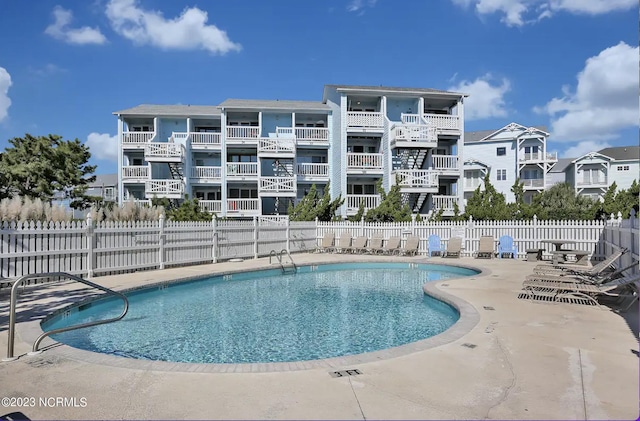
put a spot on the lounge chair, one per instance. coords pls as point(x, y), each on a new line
point(392, 245)
point(486, 247)
point(344, 242)
point(358, 245)
point(327, 242)
point(594, 270)
point(375, 244)
point(454, 247)
point(411, 246)
point(585, 278)
point(582, 293)
point(506, 246)
point(435, 245)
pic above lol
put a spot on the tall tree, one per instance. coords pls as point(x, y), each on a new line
point(38, 167)
point(391, 208)
point(561, 202)
point(488, 203)
point(312, 206)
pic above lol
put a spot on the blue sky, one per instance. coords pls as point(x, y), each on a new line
point(571, 65)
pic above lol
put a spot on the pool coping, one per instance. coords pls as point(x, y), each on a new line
point(469, 318)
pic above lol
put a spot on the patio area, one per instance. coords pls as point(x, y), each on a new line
point(515, 360)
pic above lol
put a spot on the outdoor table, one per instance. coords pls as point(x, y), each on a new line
point(558, 244)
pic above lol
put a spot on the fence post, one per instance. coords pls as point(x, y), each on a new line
point(161, 241)
point(362, 226)
point(287, 233)
point(535, 244)
point(214, 251)
point(255, 237)
point(317, 233)
point(90, 238)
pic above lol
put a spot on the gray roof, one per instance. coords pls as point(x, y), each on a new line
point(478, 135)
point(621, 153)
point(561, 165)
point(107, 180)
point(392, 89)
point(275, 104)
point(177, 110)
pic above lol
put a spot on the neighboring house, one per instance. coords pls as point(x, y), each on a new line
point(245, 158)
point(514, 151)
point(593, 173)
point(105, 186)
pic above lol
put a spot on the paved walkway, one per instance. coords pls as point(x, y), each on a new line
point(530, 361)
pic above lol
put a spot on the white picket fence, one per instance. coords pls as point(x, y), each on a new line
point(90, 249)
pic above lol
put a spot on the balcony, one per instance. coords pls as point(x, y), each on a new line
point(163, 152)
point(418, 181)
point(243, 207)
point(318, 136)
point(446, 164)
point(312, 171)
point(201, 140)
point(277, 146)
point(135, 173)
point(242, 170)
point(470, 184)
point(413, 136)
point(362, 163)
point(206, 174)
point(593, 182)
point(277, 186)
point(533, 183)
point(444, 123)
point(538, 157)
point(353, 202)
point(444, 202)
point(367, 121)
point(136, 140)
point(211, 206)
point(243, 135)
point(170, 189)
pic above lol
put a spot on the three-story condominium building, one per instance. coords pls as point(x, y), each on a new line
point(512, 152)
point(244, 158)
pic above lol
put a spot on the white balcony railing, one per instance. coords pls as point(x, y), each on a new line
point(199, 138)
point(312, 170)
point(312, 133)
point(276, 145)
point(444, 202)
point(278, 184)
point(417, 178)
point(135, 171)
point(443, 121)
point(179, 137)
point(414, 133)
point(365, 120)
point(242, 169)
point(539, 156)
point(412, 119)
point(472, 183)
point(370, 201)
point(533, 182)
point(595, 181)
point(243, 205)
point(206, 172)
point(364, 161)
point(160, 150)
point(164, 188)
point(138, 202)
point(445, 162)
point(210, 205)
point(240, 132)
point(137, 137)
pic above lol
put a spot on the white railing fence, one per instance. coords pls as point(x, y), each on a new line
point(89, 249)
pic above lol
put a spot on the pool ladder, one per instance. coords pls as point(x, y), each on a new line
point(36, 344)
point(291, 265)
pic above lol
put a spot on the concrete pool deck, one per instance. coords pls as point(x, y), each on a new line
point(530, 361)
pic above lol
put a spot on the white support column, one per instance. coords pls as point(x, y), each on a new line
point(120, 162)
point(223, 163)
point(461, 156)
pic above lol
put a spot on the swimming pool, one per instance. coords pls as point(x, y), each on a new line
point(322, 311)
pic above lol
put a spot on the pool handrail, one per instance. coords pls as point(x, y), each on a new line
point(36, 344)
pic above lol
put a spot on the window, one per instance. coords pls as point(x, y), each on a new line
point(623, 168)
point(136, 161)
point(502, 175)
point(501, 151)
point(199, 162)
point(203, 129)
point(109, 193)
point(140, 128)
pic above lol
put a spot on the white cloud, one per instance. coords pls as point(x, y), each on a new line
point(360, 5)
point(520, 12)
point(583, 148)
point(103, 146)
point(486, 99)
point(605, 99)
point(47, 70)
point(189, 31)
point(5, 101)
point(59, 29)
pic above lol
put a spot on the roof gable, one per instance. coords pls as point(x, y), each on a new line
point(274, 104)
point(509, 132)
point(622, 153)
point(592, 155)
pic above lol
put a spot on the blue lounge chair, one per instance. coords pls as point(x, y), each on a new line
point(435, 245)
point(506, 246)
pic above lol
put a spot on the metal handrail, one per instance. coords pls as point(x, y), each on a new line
point(283, 251)
point(12, 310)
point(273, 253)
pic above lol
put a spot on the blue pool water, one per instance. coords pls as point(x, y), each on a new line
point(321, 312)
